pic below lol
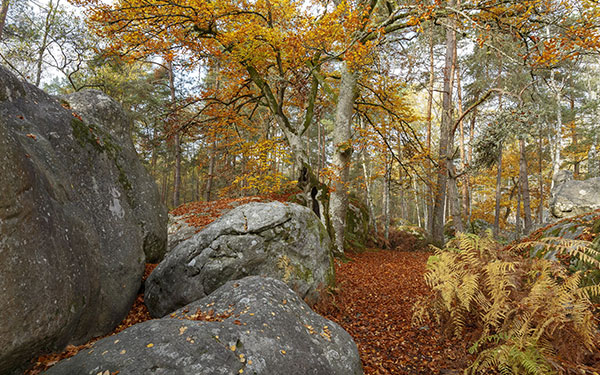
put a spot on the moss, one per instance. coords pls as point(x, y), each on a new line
point(304, 273)
point(103, 142)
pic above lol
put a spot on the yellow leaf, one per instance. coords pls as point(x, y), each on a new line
point(149, 345)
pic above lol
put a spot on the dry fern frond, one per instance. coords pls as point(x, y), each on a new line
point(533, 315)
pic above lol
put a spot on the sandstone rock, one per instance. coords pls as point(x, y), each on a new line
point(71, 255)
point(571, 197)
point(357, 225)
point(178, 231)
point(254, 325)
point(285, 241)
point(98, 109)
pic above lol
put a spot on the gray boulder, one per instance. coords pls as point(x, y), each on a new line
point(571, 197)
point(71, 249)
point(178, 231)
point(254, 325)
point(285, 241)
point(100, 110)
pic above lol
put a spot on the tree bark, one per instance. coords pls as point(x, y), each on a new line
point(177, 139)
point(338, 201)
point(437, 231)
point(496, 228)
point(463, 154)
point(430, 184)
point(524, 187)
point(540, 211)
point(3, 13)
point(212, 156)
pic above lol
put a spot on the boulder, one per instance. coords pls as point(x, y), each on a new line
point(178, 231)
point(101, 111)
point(285, 241)
point(71, 249)
point(571, 197)
point(357, 225)
point(255, 325)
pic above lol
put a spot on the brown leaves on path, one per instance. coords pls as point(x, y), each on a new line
point(376, 294)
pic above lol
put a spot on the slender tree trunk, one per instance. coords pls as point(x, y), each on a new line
point(593, 162)
point(430, 185)
point(463, 154)
point(386, 201)
point(524, 184)
point(540, 211)
point(212, 156)
point(367, 178)
point(177, 139)
point(442, 173)
point(518, 225)
point(496, 229)
point(338, 201)
point(3, 13)
point(575, 141)
point(52, 8)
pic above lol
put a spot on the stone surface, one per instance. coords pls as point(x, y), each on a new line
point(71, 255)
point(102, 111)
point(285, 241)
point(178, 231)
point(572, 197)
point(357, 225)
point(254, 325)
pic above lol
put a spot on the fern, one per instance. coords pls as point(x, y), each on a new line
point(533, 315)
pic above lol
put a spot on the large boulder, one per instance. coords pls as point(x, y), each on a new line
point(285, 241)
point(572, 197)
point(254, 325)
point(101, 111)
point(71, 248)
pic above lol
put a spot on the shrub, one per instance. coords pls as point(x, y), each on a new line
point(528, 316)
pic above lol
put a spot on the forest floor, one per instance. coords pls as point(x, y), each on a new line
point(376, 292)
point(373, 301)
point(374, 298)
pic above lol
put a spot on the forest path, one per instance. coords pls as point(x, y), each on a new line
point(374, 302)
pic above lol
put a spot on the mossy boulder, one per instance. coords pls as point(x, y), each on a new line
point(281, 240)
point(71, 241)
point(255, 325)
point(357, 225)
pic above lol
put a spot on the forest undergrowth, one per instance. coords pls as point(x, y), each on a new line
point(373, 301)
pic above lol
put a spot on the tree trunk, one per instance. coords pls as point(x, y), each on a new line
point(437, 231)
point(540, 211)
point(3, 13)
point(430, 184)
point(386, 201)
point(593, 163)
point(177, 140)
point(524, 187)
point(338, 201)
point(212, 156)
point(48, 23)
point(518, 225)
point(463, 154)
point(367, 178)
point(496, 229)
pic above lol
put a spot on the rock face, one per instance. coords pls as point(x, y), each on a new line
point(285, 241)
point(254, 325)
point(178, 231)
point(357, 225)
point(571, 197)
point(100, 110)
point(71, 255)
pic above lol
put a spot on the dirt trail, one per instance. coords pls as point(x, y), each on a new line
point(374, 304)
